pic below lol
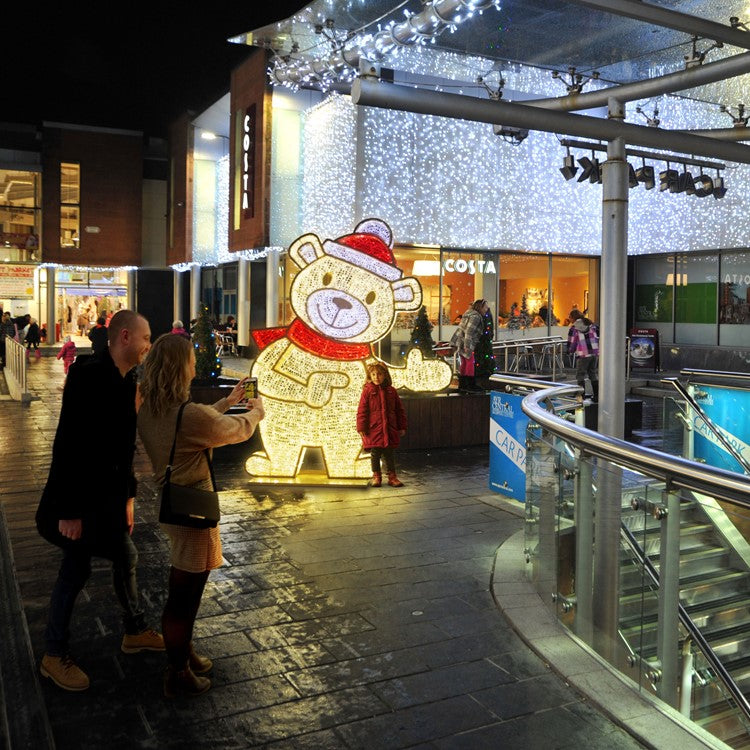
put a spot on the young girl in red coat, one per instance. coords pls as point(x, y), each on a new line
point(67, 354)
point(381, 420)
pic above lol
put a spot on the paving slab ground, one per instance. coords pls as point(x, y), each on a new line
point(342, 618)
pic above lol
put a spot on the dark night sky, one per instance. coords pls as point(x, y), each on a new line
point(102, 64)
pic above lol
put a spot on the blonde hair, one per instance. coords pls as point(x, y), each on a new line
point(166, 377)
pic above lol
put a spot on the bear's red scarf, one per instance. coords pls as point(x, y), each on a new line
point(311, 341)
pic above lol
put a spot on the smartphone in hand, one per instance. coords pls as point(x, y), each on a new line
point(251, 388)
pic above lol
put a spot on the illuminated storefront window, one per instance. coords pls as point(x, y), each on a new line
point(84, 295)
point(70, 205)
point(20, 214)
point(734, 299)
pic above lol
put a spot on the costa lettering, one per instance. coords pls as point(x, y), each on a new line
point(459, 265)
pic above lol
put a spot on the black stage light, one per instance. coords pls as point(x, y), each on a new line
point(632, 179)
point(703, 185)
point(569, 167)
point(646, 175)
point(719, 190)
point(669, 180)
point(591, 170)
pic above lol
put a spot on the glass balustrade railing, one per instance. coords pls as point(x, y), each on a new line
point(683, 564)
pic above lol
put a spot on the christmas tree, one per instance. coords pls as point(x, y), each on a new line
point(421, 335)
point(207, 364)
point(484, 359)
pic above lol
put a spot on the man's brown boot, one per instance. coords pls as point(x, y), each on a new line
point(377, 479)
point(64, 672)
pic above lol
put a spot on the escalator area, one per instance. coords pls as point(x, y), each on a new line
point(682, 625)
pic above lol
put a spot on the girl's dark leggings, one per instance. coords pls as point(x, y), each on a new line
point(183, 600)
point(387, 454)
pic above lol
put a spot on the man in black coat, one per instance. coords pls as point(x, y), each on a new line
point(93, 516)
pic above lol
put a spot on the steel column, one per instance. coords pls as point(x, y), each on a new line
point(177, 298)
point(272, 288)
point(132, 283)
point(584, 522)
point(667, 646)
point(52, 307)
point(243, 302)
point(195, 291)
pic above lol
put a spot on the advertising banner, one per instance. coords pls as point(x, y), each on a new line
point(644, 348)
point(729, 410)
point(508, 426)
point(16, 281)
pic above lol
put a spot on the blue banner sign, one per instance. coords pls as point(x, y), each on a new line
point(729, 410)
point(508, 445)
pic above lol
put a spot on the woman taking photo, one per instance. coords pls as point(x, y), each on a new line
point(165, 387)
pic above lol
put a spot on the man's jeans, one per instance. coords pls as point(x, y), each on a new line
point(75, 571)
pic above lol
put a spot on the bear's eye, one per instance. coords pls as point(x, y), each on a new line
point(370, 298)
point(327, 278)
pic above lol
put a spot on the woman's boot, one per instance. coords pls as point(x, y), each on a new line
point(199, 664)
point(377, 479)
point(393, 480)
point(184, 682)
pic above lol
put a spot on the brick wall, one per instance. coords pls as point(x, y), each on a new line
point(111, 196)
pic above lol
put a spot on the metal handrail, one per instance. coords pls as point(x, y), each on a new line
point(673, 470)
point(703, 645)
point(684, 393)
point(718, 374)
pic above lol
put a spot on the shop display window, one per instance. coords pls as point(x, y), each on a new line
point(654, 294)
point(696, 299)
point(734, 299)
point(20, 215)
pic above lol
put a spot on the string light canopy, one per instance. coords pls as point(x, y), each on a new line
point(342, 63)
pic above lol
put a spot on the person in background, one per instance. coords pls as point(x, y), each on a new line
point(93, 516)
point(98, 336)
point(178, 329)
point(381, 421)
point(583, 342)
point(7, 328)
point(165, 388)
point(465, 340)
point(67, 354)
point(32, 338)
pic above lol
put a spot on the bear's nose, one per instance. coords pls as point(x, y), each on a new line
point(341, 303)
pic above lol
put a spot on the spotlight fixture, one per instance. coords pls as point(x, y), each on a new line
point(569, 167)
point(591, 169)
point(632, 179)
point(719, 190)
point(703, 185)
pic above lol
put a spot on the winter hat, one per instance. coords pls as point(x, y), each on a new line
point(369, 246)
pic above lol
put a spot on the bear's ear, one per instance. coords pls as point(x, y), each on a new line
point(407, 293)
point(305, 249)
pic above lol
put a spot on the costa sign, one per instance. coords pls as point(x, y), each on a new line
point(459, 265)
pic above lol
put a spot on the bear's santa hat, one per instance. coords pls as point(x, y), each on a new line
point(369, 246)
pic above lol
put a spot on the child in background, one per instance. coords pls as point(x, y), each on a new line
point(67, 354)
point(381, 420)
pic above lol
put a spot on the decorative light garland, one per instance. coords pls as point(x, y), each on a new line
point(383, 45)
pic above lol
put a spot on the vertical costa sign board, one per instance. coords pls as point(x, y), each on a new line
point(248, 163)
point(508, 426)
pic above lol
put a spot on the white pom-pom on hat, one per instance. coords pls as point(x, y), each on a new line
point(377, 227)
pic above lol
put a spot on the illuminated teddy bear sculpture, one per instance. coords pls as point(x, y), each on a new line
point(310, 374)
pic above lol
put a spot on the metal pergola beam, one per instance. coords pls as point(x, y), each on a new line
point(671, 19)
point(720, 70)
point(374, 93)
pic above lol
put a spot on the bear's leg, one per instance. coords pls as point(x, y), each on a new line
point(274, 462)
point(346, 463)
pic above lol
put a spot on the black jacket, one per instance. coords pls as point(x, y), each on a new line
point(98, 337)
point(91, 478)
